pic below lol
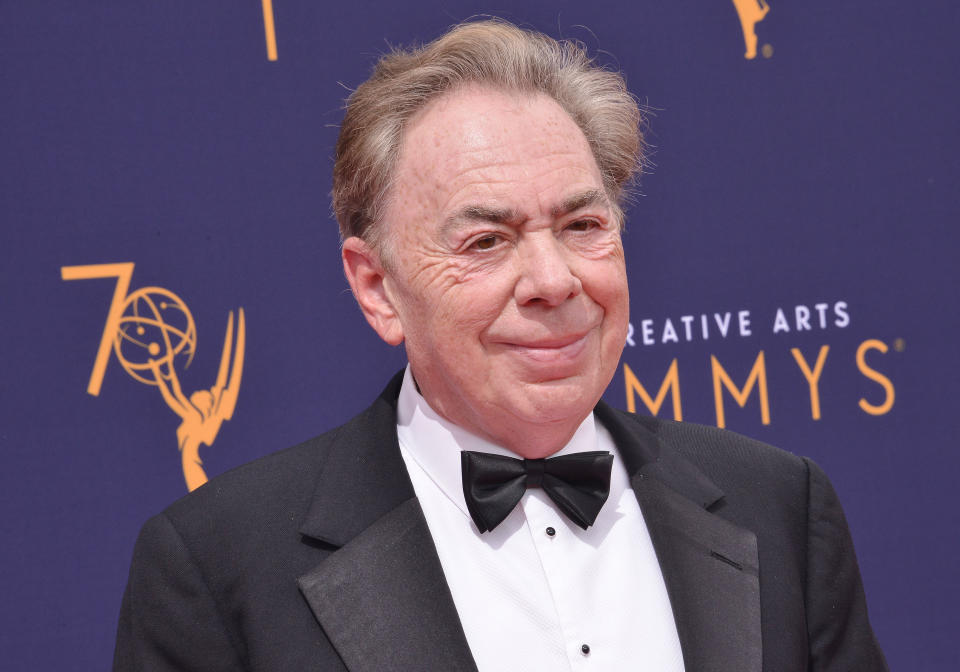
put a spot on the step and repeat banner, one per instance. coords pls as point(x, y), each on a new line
point(164, 195)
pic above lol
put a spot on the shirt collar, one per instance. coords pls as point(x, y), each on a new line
point(435, 443)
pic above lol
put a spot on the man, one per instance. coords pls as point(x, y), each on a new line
point(477, 185)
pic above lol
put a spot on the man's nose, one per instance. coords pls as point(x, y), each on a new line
point(545, 274)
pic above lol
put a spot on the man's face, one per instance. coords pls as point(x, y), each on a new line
point(506, 267)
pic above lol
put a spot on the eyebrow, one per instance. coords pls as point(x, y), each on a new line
point(474, 213)
point(486, 214)
point(578, 201)
point(496, 215)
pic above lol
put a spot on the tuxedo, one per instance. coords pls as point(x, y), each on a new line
point(319, 558)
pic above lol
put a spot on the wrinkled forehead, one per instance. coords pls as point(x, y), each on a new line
point(478, 139)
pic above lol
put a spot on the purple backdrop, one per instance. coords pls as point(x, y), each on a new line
point(818, 178)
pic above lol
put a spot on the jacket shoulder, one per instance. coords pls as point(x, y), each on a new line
point(272, 495)
point(255, 494)
point(712, 448)
point(753, 476)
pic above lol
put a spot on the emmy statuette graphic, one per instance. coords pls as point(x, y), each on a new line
point(151, 333)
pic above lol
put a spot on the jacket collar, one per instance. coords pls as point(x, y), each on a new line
point(644, 452)
point(363, 478)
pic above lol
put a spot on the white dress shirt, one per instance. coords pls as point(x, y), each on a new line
point(529, 600)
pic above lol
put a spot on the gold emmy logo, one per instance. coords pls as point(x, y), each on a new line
point(751, 13)
point(152, 333)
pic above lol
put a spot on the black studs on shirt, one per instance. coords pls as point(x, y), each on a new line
point(585, 649)
point(550, 531)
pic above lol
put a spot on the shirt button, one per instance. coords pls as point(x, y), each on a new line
point(585, 649)
point(550, 531)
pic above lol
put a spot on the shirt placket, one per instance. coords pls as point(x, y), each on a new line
point(554, 543)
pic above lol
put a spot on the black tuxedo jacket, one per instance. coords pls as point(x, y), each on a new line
point(319, 558)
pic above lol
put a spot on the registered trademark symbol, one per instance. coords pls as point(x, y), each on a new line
point(767, 50)
point(899, 344)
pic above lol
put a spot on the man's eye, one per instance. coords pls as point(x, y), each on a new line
point(582, 225)
point(485, 243)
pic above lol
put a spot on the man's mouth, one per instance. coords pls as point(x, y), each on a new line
point(551, 350)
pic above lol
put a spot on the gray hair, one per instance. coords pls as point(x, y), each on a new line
point(491, 53)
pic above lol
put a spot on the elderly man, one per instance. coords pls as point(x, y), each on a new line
point(489, 511)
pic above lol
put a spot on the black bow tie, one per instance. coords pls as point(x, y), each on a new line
point(493, 484)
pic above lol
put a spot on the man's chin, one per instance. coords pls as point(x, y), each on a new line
point(554, 400)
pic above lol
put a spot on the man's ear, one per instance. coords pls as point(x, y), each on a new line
point(366, 275)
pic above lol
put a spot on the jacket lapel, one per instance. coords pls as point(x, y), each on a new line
point(383, 602)
point(381, 597)
point(710, 566)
